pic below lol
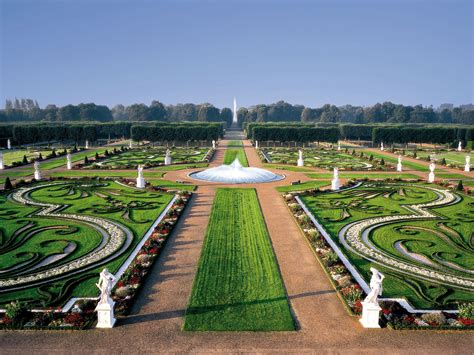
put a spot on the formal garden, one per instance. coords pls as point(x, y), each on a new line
point(57, 235)
point(418, 235)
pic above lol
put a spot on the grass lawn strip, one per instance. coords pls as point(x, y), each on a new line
point(238, 286)
point(236, 151)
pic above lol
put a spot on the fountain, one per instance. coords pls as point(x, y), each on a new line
point(235, 173)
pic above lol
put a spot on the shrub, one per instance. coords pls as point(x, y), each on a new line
point(466, 310)
point(352, 293)
point(331, 258)
point(436, 318)
point(15, 311)
point(8, 184)
point(460, 186)
point(25, 161)
point(382, 162)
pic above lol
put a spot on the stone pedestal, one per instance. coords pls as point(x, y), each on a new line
point(431, 177)
point(300, 162)
point(370, 315)
point(399, 167)
point(335, 184)
point(37, 175)
point(105, 315)
point(167, 160)
point(141, 183)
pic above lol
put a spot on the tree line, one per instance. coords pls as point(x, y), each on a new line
point(281, 111)
point(26, 133)
point(306, 132)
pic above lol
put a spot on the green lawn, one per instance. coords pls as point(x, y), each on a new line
point(61, 161)
point(303, 186)
point(238, 285)
point(107, 173)
point(179, 167)
point(11, 156)
point(453, 157)
point(394, 160)
point(371, 175)
point(236, 151)
point(287, 167)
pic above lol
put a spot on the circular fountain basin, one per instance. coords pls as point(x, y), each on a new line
point(235, 173)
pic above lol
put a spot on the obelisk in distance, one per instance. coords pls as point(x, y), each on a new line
point(234, 118)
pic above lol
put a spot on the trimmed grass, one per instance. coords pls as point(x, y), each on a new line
point(453, 176)
point(287, 167)
point(173, 185)
point(179, 167)
point(107, 173)
point(303, 186)
point(238, 286)
point(394, 160)
point(370, 175)
point(236, 152)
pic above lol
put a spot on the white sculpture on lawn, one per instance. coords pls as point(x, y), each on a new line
point(431, 175)
point(168, 157)
point(338, 145)
point(256, 144)
point(9, 144)
point(335, 183)
point(381, 146)
point(130, 144)
point(213, 144)
point(69, 161)
point(1, 161)
point(467, 166)
point(300, 158)
point(460, 146)
point(36, 166)
point(87, 144)
point(370, 305)
point(105, 307)
point(399, 164)
point(140, 179)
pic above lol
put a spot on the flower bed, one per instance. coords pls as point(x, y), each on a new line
point(351, 293)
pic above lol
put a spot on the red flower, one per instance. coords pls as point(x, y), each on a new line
point(466, 321)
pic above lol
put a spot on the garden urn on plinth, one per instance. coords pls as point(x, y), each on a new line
point(300, 158)
point(105, 307)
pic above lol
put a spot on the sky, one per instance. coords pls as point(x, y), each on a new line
point(304, 52)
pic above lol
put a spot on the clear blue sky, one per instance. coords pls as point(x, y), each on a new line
point(311, 53)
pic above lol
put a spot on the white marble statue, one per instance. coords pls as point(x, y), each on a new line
point(370, 305)
point(1, 161)
point(338, 145)
point(399, 164)
point(460, 146)
point(140, 179)
point(300, 158)
point(256, 144)
point(431, 175)
point(87, 144)
point(105, 307)
point(381, 146)
point(467, 166)
point(335, 183)
point(36, 166)
point(9, 144)
point(130, 144)
point(213, 144)
point(168, 157)
point(69, 161)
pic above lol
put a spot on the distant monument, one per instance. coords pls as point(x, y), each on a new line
point(9, 144)
point(234, 117)
point(399, 164)
point(168, 157)
point(105, 307)
point(460, 146)
point(1, 161)
point(300, 158)
point(140, 179)
point(36, 166)
point(87, 144)
point(69, 161)
point(213, 144)
point(335, 183)
point(431, 175)
point(467, 167)
point(370, 305)
point(381, 146)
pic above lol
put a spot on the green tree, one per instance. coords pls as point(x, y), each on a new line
point(8, 184)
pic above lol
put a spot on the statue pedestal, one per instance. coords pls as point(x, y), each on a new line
point(370, 315)
point(105, 315)
point(467, 168)
point(399, 167)
point(300, 162)
point(431, 177)
point(335, 184)
point(37, 175)
point(167, 160)
point(141, 183)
